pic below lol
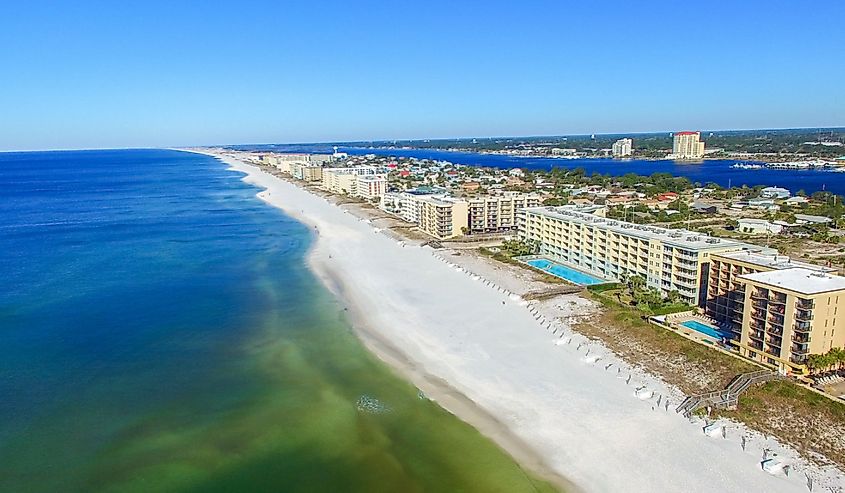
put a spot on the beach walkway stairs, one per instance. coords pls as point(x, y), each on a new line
point(728, 398)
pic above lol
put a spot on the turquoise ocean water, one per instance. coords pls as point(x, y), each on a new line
point(159, 331)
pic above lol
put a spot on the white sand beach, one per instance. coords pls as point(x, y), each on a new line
point(561, 405)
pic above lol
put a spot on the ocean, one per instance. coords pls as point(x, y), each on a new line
point(718, 171)
point(160, 331)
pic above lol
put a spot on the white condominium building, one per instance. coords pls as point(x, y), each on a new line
point(623, 148)
point(371, 187)
point(687, 145)
point(668, 259)
point(285, 162)
point(495, 214)
point(345, 180)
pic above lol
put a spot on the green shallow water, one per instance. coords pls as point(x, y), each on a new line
point(163, 341)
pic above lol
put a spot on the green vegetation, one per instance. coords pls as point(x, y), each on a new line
point(831, 360)
point(519, 248)
point(791, 141)
point(648, 301)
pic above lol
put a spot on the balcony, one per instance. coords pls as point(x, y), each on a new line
point(777, 309)
point(805, 304)
point(777, 298)
point(756, 345)
point(775, 320)
point(801, 338)
point(800, 349)
point(803, 316)
point(760, 295)
point(773, 342)
point(801, 327)
point(798, 360)
point(758, 314)
point(774, 331)
point(756, 336)
point(772, 351)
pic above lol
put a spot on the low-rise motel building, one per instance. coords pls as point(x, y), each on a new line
point(779, 311)
point(668, 259)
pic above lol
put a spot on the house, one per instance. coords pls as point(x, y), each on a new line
point(763, 203)
point(797, 200)
point(703, 208)
point(758, 226)
point(667, 197)
point(516, 172)
point(808, 219)
point(775, 193)
point(470, 186)
point(513, 181)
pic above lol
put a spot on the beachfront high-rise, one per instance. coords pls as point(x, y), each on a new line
point(442, 217)
point(668, 259)
point(487, 214)
point(779, 311)
point(345, 180)
point(687, 145)
point(371, 187)
point(623, 148)
point(497, 214)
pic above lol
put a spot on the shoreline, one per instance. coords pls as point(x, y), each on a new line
point(547, 432)
point(435, 388)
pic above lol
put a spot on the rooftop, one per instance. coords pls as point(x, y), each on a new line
point(676, 237)
point(769, 258)
point(803, 281)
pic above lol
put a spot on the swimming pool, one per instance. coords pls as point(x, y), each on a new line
point(564, 272)
point(708, 330)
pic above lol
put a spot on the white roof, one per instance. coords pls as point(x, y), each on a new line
point(771, 259)
point(804, 281)
point(674, 237)
point(813, 219)
point(751, 220)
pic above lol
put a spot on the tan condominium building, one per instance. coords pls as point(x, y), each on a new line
point(443, 217)
point(623, 148)
point(439, 216)
point(371, 187)
point(345, 180)
point(306, 172)
point(780, 311)
point(687, 145)
point(496, 214)
point(668, 259)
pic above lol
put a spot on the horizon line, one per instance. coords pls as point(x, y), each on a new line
point(491, 137)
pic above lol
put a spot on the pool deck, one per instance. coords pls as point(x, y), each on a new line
point(674, 321)
point(526, 258)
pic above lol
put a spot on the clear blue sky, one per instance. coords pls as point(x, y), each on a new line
point(160, 73)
